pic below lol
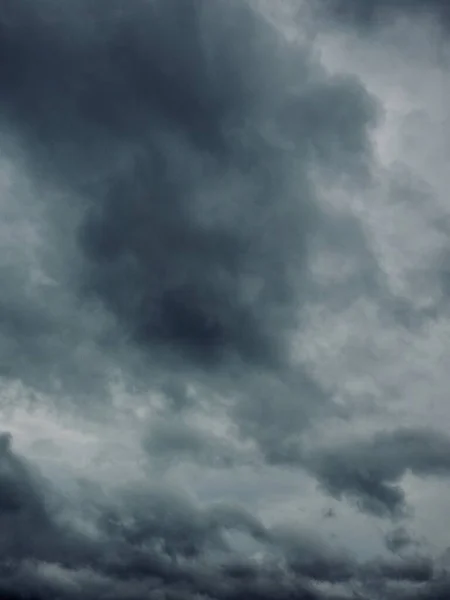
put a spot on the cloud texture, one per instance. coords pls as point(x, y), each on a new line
point(203, 317)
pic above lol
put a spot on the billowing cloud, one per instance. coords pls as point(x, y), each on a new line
point(173, 180)
point(155, 541)
point(199, 303)
point(196, 202)
point(370, 470)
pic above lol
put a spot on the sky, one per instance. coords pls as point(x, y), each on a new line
point(224, 284)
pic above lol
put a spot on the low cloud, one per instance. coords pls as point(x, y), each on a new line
point(185, 206)
point(164, 170)
point(370, 471)
point(156, 540)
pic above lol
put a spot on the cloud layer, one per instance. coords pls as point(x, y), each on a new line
point(156, 542)
point(209, 311)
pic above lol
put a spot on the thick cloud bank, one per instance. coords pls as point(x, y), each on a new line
point(212, 321)
point(184, 134)
point(155, 543)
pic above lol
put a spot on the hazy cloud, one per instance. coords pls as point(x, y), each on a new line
point(398, 539)
point(174, 440)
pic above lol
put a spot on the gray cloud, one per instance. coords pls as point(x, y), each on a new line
point(169, 149)
point(162, 207)
point(172, 440)
point(370, 13)
point(399, 539)
point(191, 205)
point(370, 471)
point(155, 540)
point(174, 243)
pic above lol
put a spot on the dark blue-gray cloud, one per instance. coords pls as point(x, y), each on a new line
point(155, 541)
point(172, 150)
point(370, 471)
point(186, 159)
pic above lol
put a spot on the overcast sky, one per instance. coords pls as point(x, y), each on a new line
point(224, 284)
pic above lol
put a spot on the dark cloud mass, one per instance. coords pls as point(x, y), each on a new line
point(191, 157)
point(161, 173)
point(370, 471)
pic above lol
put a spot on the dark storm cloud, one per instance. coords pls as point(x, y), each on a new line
point(366, 14)
point(183, 135)
point(172, 148)
point(158, 542)
point(189, 263)
point(147, 541)
point(370, 471)
point(25, 522)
